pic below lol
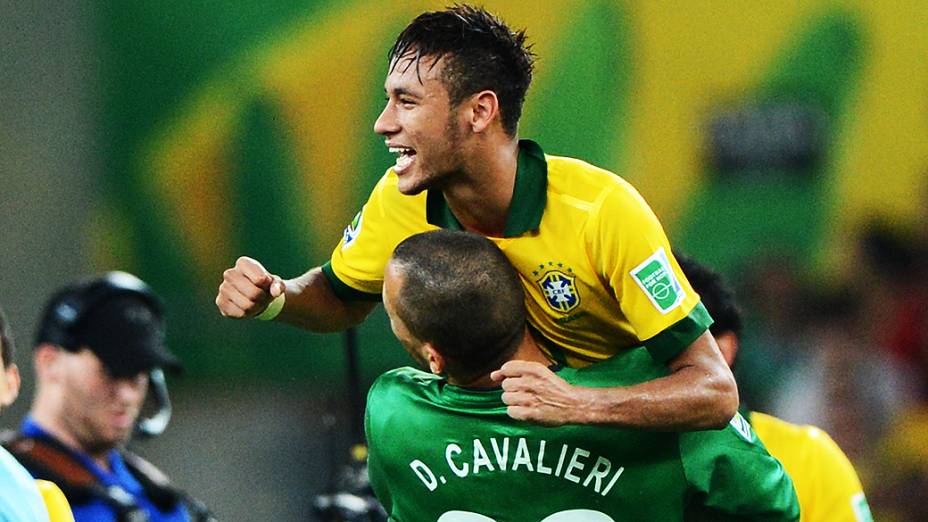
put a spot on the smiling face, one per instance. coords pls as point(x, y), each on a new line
point(97, 409)
point(420, 126)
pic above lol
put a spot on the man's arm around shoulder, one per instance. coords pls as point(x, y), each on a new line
point(699, 393)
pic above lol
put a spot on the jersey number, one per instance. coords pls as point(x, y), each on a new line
point(572, 515)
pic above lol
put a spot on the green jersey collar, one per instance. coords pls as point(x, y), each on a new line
point(487, 398)
point(528, 197)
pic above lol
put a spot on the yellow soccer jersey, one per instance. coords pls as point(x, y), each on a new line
point(594, 261)
point(826, 483)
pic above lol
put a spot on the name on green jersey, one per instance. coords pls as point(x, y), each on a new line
point(564, 462)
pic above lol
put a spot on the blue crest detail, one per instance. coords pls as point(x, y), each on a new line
point(559, 290)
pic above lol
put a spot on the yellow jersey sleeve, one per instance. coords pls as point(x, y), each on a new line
point(826, 484)
point(355, 269)
point(633, 255)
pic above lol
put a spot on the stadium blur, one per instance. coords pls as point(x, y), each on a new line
point(783, 144)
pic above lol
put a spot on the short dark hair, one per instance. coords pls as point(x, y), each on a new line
point(717, 296)
point(481, 53)
point(460, 293)
point(6, 341)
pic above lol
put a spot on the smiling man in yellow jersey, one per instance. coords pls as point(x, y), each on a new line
point(595, 263)
point(826, 483)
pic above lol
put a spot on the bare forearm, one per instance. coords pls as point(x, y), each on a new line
point(689, 399)
point(312, 305)
point(699, 393)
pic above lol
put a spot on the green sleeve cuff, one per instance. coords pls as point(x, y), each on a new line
point(343, 291)
point(669, 343)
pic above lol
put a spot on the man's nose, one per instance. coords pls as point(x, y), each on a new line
point(386, 123)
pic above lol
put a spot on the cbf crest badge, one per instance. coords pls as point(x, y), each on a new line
point(559, 290)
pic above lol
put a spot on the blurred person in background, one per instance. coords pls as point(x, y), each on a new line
point(20, 499)
point(99, 346)
point(901, 462)
point(895, 268)
point(842, 379)
point(441, 446)
point(826, 483)
point(597, 267)
point(771, 285)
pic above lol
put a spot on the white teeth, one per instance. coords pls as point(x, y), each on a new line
point(404, 158)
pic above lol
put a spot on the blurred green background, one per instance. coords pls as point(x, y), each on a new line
point(168, 138)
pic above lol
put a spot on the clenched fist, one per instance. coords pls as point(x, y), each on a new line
point(247, 289)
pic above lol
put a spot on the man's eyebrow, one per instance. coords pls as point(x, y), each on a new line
point(400, 91)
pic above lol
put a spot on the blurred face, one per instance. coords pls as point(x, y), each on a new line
point(9, 385)
point(392, 282)
point(9, 378)
point(99, 410)
point(5, 388)
point(419, 125)
point(3, 380)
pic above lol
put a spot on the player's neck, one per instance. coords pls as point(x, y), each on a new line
point(480, 199)
point(527, 350)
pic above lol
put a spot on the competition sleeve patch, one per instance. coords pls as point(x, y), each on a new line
point(658, 281)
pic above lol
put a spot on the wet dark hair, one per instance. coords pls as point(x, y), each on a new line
point(480, 52)
point(460, 293)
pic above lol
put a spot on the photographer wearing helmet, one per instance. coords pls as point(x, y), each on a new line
point(98, 350)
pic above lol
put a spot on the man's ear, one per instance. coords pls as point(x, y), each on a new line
point(484, 111)
point(435, 360)
point(728, 345)
point(10, 392)
point(46, 359)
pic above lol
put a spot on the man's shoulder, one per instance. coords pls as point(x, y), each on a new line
point(790, 441)
point(773, 428)
point(19, 496)
point(582, 181)
point(404, 378)
point(11, 470)
point(393, 394)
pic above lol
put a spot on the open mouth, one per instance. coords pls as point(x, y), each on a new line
point(404, 158)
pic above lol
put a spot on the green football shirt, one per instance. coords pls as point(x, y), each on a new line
point(439, 452)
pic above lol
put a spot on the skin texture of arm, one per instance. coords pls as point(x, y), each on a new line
point(248, 288)
point(700, 393)
point(312, 305)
